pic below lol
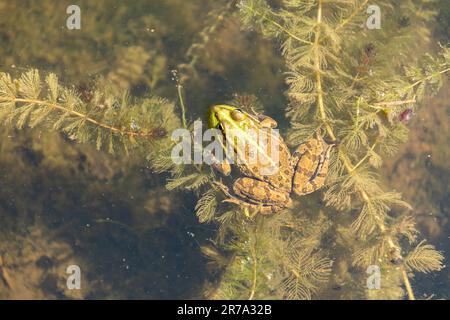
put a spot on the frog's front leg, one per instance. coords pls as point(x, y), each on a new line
point(310, 162)
point(223, 166)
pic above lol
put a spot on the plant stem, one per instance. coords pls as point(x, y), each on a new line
point(408, 285)
point(183, 108)
point(354, 13)
point(255, 268)
point(365, 157)
point(79, 115)
point(355, 79)
point(395, 103)
point(347, 163)
point(427, 78)
point(320, 103)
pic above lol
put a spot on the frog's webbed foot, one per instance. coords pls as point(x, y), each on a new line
point(310, 161)
point(230, 197)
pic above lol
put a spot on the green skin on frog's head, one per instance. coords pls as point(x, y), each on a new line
point(224, 117)
point(233, 122)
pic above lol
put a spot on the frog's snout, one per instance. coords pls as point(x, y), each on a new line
point(214, 115)
point(216, 110)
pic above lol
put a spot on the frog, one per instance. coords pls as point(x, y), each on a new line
point(260, 188)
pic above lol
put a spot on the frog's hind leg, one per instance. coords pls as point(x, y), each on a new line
point(251, 210)
point(249, 195)
point(260, 192)
point(310, 162)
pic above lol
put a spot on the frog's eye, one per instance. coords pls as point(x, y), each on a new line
point(220, 127)
point(237, 115)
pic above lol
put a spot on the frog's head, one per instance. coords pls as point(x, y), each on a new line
point(243, 134)
point(225, 117)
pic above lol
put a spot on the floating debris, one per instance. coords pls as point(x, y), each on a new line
point(406, 115)
point(134, 126)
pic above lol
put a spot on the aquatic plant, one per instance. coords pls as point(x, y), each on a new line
point(73, 194)
point(112, 120)
point(351, 83)
point(343, 81)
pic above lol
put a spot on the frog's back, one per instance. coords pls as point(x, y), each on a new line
point(278, 173)
point(282, 175)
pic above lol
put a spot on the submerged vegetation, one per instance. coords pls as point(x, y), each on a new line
point(350, 83)
point(101, 116)
point(342, 81)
